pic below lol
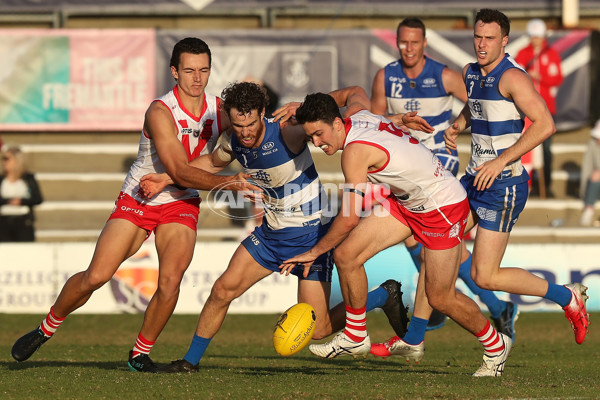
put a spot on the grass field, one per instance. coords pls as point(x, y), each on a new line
point(87, 359)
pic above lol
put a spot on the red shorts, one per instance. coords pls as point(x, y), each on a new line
point(149, 217)
point(438, 229)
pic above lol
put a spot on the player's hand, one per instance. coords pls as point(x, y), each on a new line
point(413, 121)
point(286, 113)
point(152, 184)
point(240, 183)
point(307, 259)
point(450, 135)
point(487, 173)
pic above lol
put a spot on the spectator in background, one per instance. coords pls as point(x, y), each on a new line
point(590, 177)
point(19, 192)
point(542, 63)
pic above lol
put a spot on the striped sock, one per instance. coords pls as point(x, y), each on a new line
point(492, 342)
point(142, 346)
point(356, 323)
point(51, 323)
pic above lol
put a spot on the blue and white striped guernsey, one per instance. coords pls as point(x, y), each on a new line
point(496, 123)
point(295, 197)
point(425, 94)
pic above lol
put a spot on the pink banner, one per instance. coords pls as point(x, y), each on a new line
point(77, 80)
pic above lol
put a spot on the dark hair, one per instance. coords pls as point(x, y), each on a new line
point(245, 97)
point(189, 45)
point(487, 15)
point(318, 107)
point(411, 23)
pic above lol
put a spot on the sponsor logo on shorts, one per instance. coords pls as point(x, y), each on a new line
point(133, 210)
point(454, 231)
point(254, 239)
point(420, 208)
point(485, 214)
point(192, 216)
point(433, 234)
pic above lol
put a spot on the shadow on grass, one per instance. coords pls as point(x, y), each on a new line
point(107, 365)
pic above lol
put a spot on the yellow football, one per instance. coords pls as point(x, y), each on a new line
point(294, 329)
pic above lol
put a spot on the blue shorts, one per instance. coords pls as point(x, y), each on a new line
point(449, 161)
point(270, 253)
point(498, 207)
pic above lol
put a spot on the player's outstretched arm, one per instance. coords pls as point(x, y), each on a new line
point(160, 127)
point(354, 98)
point(411, 120)
point(356, 160)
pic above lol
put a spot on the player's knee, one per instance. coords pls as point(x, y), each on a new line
point(93, 280)
point(342, 259)
point(438, 301)
point(484, 281)
point(222, 293)
point(168, 284)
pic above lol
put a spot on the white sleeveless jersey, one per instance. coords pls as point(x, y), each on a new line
point(197, 135)
point(413, 173)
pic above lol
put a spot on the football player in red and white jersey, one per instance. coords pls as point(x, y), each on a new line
point(178, 126)
point(426, 201)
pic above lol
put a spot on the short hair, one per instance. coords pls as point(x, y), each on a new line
point(487, 15)
point(17, 154)
point(318, 107)
point(411, 22)
point(245, 97)
point(189, 45)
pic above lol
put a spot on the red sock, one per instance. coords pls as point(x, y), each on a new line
point(51, 323)
point(142, 346)
point(492, 342)
point(356, 323)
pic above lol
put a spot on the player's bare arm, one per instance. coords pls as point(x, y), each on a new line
point(454, 84)
point(357, 159)
point(159, 126)
point(411, 120)
point(462, 122)
point(354, 98)
point(152, 184)
point(517, 86)
point(378, 100)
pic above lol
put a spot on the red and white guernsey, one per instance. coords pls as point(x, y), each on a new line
point(197, 135)
point(413, 173)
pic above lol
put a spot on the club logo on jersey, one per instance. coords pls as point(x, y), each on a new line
point(206, 130)
point(262, 176)
point(412, 105)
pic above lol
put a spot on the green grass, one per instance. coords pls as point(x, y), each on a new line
point(87, 359)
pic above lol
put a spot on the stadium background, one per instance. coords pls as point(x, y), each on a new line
point(78, 76)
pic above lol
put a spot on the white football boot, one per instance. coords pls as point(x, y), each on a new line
point(494, 365)
point(342, 345)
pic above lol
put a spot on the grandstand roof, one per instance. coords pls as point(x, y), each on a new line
point(53, 5)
